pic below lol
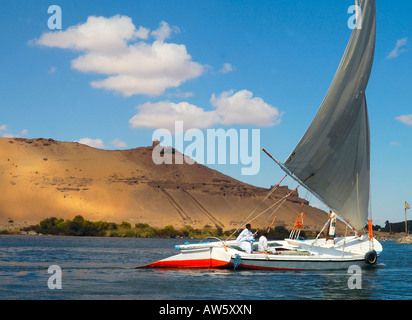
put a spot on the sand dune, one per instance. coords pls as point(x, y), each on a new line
point(40, 178)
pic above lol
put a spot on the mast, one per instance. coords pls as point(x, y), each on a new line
point(406, 221)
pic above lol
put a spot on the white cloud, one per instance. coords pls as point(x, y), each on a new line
point(398, 48)
point(181, 94)
point(395, 143)
point(95, 143)
point(109, 35)
point(406, 119)
point(114, 47)
point(226, 68)
point(163, 114)
point(164, 31)
point(12, 135)
point(242, 108)
point(118, 143)
point(231, 108)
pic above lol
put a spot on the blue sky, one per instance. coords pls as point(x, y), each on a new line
point(201, 57)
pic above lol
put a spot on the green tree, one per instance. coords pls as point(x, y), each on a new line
point(169, 231)
point(125, 225)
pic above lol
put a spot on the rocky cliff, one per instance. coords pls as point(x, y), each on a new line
point(40, 178)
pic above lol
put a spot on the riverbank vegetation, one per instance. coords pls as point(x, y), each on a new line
point(82, 227)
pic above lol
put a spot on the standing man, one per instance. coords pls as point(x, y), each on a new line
point(245, 239)
point(331, 233)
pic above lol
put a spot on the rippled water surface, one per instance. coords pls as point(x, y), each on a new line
point(104, 268)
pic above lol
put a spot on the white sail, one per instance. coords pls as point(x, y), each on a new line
point(333, 158)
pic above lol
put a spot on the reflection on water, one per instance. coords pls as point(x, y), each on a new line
point(104, 268)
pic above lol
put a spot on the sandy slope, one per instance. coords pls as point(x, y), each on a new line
point(40, 178)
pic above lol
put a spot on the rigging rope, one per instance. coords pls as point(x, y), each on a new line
point(283, 199)
point(317, 237)
point(344, 239)
point(268, 195)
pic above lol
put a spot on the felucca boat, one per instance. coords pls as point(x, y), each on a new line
point(332, 161)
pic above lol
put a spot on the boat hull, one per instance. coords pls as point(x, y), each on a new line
point(291, 255)
point(200, 256)
point(276, 263)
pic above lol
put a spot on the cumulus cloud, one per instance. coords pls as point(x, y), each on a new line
point(163, 114)
point(3, 127)
point(95, 143)
point(114, 47)
point(98, 34)
point(164, 31)
point(242, 108)
point(398, 48)
point(230, 108)
point(406, 119)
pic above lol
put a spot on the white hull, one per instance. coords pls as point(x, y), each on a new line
point(291, 255)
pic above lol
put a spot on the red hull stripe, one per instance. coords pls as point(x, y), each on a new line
point(205, 264)
point(196, 263)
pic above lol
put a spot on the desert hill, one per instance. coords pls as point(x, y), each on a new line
point(40, 178)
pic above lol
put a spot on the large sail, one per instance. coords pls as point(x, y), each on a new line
point(332, 159)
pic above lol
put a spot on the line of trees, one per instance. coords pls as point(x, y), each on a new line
point(76, 227)
point(82, 227)
point(397, 227)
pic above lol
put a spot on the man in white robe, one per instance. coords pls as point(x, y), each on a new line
point(245, 239)
point(263, 245)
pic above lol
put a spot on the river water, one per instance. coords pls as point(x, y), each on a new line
point(104, 268)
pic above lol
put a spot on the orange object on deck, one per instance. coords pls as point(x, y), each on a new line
point(299, 221)
point(370, 228)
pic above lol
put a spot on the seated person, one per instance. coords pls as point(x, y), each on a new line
point(263, 244)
